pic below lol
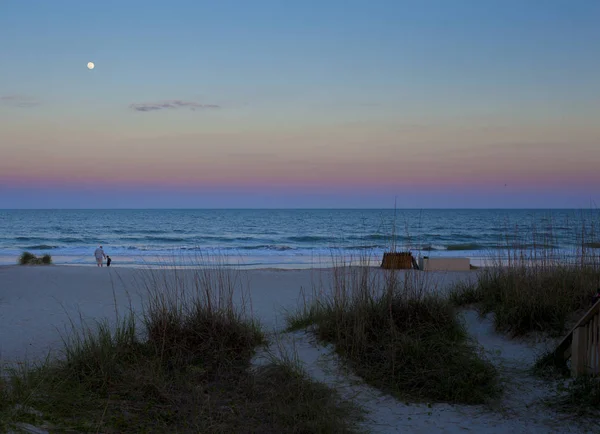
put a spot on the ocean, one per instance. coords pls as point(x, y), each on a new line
point(286, 238)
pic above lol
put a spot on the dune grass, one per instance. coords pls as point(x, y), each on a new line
point(28, 258)
point(534, 287)
point(530, 298)
point(183, 365)
point(398, 335)
point(581, 397)
point(577, 397)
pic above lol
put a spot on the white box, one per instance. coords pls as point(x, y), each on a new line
point(444, 264)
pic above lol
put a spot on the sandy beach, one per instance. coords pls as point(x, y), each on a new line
point(38, 304)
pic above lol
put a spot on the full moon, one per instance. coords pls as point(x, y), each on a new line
point(90, 65)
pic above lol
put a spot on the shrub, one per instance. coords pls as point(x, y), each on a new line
point(530, 285)
point(530, 298)
point(580, 397)
point(465, 293)
point(28, 258)
point(400, 337)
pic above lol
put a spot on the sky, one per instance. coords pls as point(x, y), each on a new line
point(284, 104)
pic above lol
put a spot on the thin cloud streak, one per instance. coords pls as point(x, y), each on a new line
point(171, 104)
point(16, 100)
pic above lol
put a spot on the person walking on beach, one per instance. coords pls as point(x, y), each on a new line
point(99, 254)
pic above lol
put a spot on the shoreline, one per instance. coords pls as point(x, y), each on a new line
point(223, 262)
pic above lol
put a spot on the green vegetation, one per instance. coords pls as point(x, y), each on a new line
point(530, 298)
point(465, 293)
point(548, 365)
point(534, 287)
point(399, 337)
point(579, 397)
point(186, 370)
point(575, 397)
point(28, 258)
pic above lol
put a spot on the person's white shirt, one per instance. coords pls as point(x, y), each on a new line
point(99, 253)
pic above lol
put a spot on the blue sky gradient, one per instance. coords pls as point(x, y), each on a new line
point(282, 103)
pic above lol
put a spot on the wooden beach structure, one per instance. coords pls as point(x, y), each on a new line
point(582, 344)
point(397, 261)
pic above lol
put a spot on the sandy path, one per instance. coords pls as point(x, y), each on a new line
point(520, 410)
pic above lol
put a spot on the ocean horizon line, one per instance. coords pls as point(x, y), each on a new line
point(309, 209)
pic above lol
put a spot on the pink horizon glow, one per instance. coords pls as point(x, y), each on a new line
point(345, 181)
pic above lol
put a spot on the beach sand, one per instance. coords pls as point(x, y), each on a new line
point(39, 304)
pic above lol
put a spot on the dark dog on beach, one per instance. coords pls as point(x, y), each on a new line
point(108, 261)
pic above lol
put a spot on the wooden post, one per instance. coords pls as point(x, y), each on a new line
point(579, 351)
point(591, 342)
point(566, 349)
point(596, 356)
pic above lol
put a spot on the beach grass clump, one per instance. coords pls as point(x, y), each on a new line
point(400, 337)
point(184, 366)
point(530, 285)
point(465, 293)
point(534, 297)
point(4, 403)
point(28, 258)
point(550, 365)
point(579, 397)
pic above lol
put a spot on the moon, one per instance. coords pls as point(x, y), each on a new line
point(90, 65)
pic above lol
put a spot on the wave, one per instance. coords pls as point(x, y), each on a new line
point(224, 239)
point(467, 246)
point(229, 239)
point(363, 247)
point(58, 240)
point(62, 230)
point(221, 248)
point(592, 245)
point(145, 231)
point(309, 239)
point(41, 247)
point(151, 231)
point(267, 247)
point(463, 236)
point(430, 247)
point(375, 237)
point(166, 239)
point(526, 246)
point(70, 240)
point(157, 239)
point(121, 231)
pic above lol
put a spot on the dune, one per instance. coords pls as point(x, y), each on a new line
point(39, 305)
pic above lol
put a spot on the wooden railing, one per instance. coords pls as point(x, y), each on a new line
point(582, 344)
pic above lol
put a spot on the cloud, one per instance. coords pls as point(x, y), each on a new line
point(18, 101)
point(172, 104)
